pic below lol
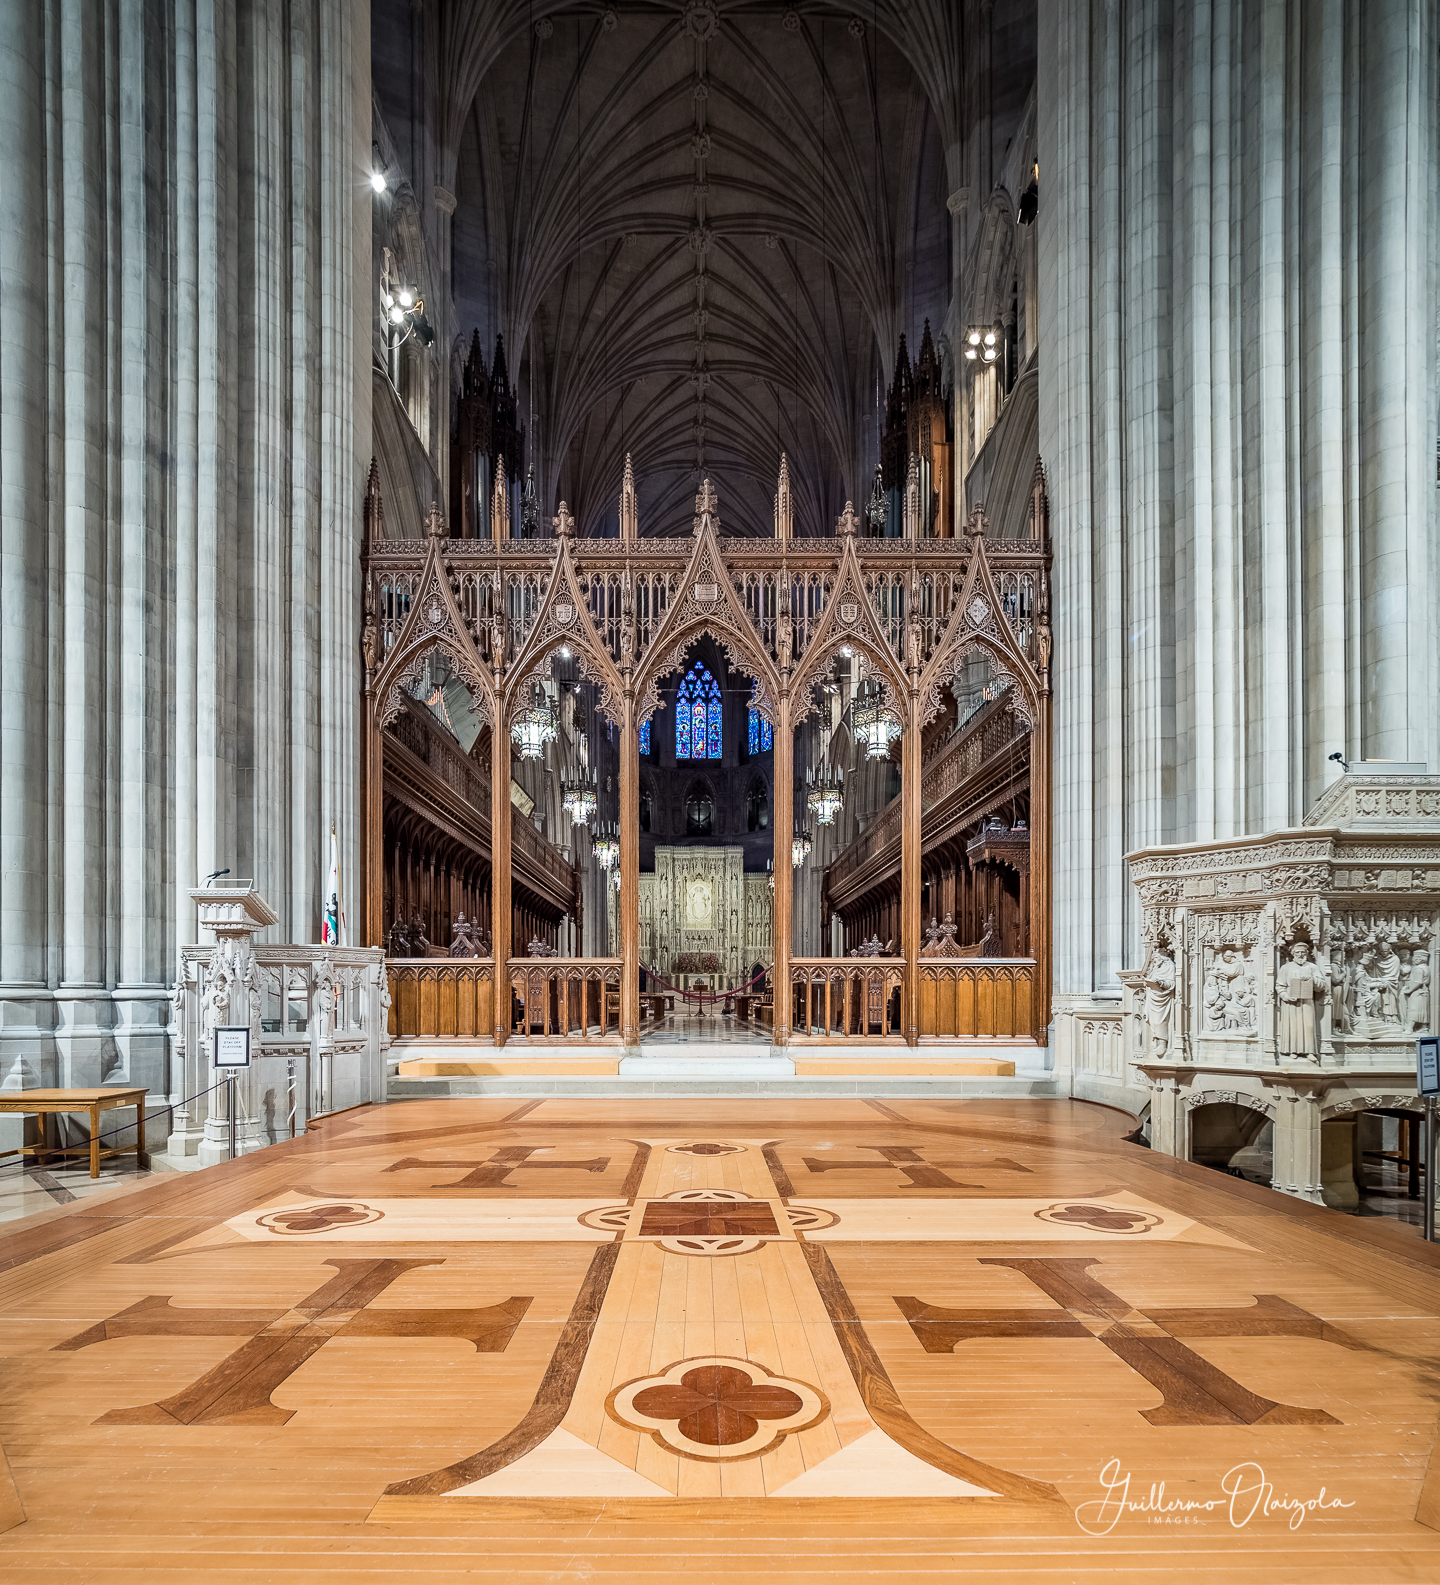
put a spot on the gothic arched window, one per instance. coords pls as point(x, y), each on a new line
point(697, 716)
point(645, 738)
point(762, 734)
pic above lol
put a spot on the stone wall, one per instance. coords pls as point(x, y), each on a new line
point(183, 423)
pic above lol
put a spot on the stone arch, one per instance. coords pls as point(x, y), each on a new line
point(1227, 1129)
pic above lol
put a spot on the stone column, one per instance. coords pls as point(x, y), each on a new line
point(1296, 1169)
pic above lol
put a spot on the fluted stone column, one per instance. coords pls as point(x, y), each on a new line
point(1237, 243)
point(181, 409)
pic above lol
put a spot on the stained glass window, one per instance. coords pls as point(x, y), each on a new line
point(645, 737)
point(762, 734)
point(697, 716)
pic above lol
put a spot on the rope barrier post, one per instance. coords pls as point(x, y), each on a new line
point(230, 1110)
point(290, 1091)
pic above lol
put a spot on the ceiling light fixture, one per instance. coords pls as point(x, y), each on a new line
point(873, 724)
point(825, 793)
point(534, 727)
point(800, 848)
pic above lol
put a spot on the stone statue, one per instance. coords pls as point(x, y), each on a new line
point(1299, 982)
point(1384, 973)
point(1215, 996)
point(1240, 1014)
point(1160, 1000)
point(1417, 1000)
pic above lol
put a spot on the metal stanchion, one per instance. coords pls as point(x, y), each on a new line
point(290, 1091)
point(1427, 1179)
point(230, 1109)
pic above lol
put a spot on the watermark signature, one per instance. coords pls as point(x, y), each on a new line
point(1245, 1495)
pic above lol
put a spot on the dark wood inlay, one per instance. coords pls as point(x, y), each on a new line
point(494, 1172)
point(673, 1218)
point(633, 1179)
point(551, 1401)
point(878, 1394)
point(718, 1405)
point(783, 1186)
point(896, 1158)
point(279, 1341)
point(1194, 1392)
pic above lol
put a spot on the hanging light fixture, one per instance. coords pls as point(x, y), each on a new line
point(875, 511)
point(529, 504)
point(535, 726)
point(872, 723)
point(606, 847)
point(800, 848)
point(770, 873)
point(577, 796)
point(825, 793)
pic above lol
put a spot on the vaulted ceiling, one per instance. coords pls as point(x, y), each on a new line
point(701, 229)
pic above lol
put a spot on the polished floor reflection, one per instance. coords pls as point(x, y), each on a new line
point(761, 1339)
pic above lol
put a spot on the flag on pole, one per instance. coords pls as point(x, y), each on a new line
point(333, 931)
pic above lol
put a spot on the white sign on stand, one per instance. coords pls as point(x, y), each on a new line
point(232, 1047)
point(1427, 1064)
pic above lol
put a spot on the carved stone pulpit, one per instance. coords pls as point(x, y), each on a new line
point(231, 995)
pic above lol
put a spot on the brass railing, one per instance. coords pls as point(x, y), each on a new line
point(847, 998)
point(565, 998)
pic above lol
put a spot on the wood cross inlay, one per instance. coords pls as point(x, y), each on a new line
point(674, 1218)
point(281, 1340)
point(1194, 1391)
point(897, 1158)
point(494, 1173)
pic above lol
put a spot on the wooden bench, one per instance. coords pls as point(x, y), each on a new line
point(96, 1101)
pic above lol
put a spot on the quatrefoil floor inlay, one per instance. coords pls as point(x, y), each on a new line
point(1103, 1218)
point(718, 1408)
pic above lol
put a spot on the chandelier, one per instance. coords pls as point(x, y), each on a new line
point(606, 847)
point(875, 511)
point(534, 727)
point(529, 507)
point(577, 797)
point(770, 873)
point(800, 848)
point(825, 794)
point(873, 724)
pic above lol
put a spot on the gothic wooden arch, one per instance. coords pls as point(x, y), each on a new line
point(977, 622)
point(434, 621)
point(849, 619)
point(710, 606)
point(563, 623)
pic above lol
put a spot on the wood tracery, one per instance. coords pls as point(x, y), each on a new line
point(628, 610)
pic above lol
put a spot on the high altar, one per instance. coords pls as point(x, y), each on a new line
point(700, 900)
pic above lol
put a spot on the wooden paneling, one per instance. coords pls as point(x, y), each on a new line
point(441, 998)
point(982, 998)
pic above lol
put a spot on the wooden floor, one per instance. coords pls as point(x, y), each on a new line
point(563, 1340)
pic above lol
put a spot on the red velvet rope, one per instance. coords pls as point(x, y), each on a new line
point(704, 996)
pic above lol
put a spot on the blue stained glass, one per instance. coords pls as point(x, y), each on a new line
point(762, 734)
point(697, 716)
point(754, 733)
point(645, 737)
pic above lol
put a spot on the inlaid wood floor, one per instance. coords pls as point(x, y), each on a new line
point(565, 1340)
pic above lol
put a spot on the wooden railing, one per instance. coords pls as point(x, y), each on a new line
point(847, 998)
point(441, 998)
point(977, 998)
point(565, 998)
